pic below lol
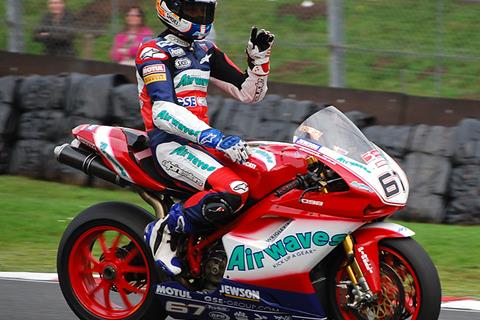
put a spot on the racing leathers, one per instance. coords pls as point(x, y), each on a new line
point(173, 77)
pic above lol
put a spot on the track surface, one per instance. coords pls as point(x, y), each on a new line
point(27, 300)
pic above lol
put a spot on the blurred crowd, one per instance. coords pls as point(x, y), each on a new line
point(57, 33)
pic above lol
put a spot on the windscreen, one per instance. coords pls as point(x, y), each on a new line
point(332, 129)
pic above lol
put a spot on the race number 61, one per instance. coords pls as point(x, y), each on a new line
point(389, 184)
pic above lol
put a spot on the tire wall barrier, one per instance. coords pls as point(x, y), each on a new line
point(38, 112)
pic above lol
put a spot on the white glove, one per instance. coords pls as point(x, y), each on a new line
point(258, 50)
point(233, 146)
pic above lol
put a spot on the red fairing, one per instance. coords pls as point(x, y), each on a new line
point(122, 155)
point(366, 250)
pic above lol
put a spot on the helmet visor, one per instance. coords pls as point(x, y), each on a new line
point(198, 12)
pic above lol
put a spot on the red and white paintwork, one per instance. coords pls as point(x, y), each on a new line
point(271, 166)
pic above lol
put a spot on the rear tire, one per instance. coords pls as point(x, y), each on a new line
point(104, 268)
point(421, 285)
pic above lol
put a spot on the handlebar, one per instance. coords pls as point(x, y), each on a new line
point(294, 184)
point(313, 178)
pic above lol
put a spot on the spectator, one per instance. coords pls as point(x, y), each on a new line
point(56, 30)
point(126, 43)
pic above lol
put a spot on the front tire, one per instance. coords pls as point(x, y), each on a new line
point(104, 268)
point(412, 291)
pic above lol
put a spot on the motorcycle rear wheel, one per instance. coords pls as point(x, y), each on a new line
point(104, 268)
point(411, 292)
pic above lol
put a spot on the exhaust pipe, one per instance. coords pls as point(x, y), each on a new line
point(89, 162)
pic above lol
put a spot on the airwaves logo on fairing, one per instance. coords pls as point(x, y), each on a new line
point(244, 258)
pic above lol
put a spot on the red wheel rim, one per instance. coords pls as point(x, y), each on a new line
point(409, 278)
point(101, 277)
point(404, 271)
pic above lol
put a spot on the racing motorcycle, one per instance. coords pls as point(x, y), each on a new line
point(311, 243)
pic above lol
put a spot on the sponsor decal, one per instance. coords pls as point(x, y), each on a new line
point(374, 156)
point(314, 133)
point(172, 17)
point(240, 304)
point(260, 317)
point(216, 315)
point(312, 202)
point(103, 148)
point(239, 315)
point(182, 151)
point(365, 260)
point(173, 167)
point(155, 78)
point(176, 52)
point(259, 89)
point(187, 101)
point(172, 292)
point(282, 317)
point(308, 144)
point(340, 150)
point(240, 293)
point(171, 40)
point(217, 308)
point(353, 164)
point(211, 139)
point(250, 165)
point(154, 68)
point(205, 59)
point(239, 187)
point(165, 116)
point(188, 80)
point(183, 63)
point(278, 231)
point(87, 142)
point(361, 186)
point(266, 157)
point(282, 251)
point(152, 53)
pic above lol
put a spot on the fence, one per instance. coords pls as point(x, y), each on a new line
point(427, 47)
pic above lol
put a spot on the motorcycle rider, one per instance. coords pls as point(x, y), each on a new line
point(173, 72)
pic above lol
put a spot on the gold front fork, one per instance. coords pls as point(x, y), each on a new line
point(361, 290)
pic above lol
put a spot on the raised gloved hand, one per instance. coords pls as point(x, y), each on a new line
point(233, 146)
point(258, 51)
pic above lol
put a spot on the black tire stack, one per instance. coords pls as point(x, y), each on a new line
point(38, 113)
point(428, 166)
point(9, 115)
point(442, 165)
point(274, 118)
point(465, 178)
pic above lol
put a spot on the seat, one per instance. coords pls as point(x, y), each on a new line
point(136, 140)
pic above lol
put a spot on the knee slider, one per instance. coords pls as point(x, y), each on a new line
point(219, 211)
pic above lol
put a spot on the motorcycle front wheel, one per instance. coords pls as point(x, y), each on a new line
point(409, 280)
point(105, 270)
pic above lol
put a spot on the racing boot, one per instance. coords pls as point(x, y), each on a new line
point(162, 237)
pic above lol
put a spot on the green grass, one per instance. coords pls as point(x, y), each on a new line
point(301, 52)
point(34, 214)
